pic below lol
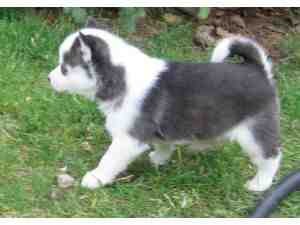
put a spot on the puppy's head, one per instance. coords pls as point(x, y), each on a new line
point(85, 65)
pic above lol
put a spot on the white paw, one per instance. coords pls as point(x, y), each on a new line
point(157, 159)
point(90, 181)
point(257, 184)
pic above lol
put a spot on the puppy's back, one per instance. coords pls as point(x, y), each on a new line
point(204, 100)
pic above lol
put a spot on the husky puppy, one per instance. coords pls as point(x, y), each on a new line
point(154, 102)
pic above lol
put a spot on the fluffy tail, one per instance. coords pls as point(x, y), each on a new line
point(251, 51)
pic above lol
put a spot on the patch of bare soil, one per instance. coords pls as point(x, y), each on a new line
point(266, 25)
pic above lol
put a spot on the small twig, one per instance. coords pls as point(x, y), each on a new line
point(179, 154)
point(170, 201)
point(126, 179)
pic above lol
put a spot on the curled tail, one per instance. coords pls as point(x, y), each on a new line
point(247, 48)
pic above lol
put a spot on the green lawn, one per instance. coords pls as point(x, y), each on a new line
point(41, 131)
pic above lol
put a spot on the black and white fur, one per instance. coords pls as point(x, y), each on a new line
point(153, 102)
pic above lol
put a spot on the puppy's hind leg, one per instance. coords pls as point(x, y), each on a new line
point(162, 153)
point(263, 149)
point(267, 168)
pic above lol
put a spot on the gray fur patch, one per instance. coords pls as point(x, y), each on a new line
point(74, 56)
point(205, 100)
point(266, 129)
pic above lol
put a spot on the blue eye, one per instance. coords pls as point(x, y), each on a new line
point(63, 69)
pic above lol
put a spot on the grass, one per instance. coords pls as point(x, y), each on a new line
point(41, 131)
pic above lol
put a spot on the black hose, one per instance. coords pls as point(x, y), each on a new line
point(289, 184)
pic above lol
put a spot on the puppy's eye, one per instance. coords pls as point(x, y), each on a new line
point(63, 70)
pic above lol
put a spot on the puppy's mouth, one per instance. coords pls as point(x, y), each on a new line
point(56, 87)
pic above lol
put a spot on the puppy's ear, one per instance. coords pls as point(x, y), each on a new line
point(91, 22)
point(85, 47)
point(83, 38)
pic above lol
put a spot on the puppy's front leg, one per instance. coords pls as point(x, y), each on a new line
point(122, 151)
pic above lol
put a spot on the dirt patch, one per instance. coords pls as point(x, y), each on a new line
point(269, 26)
point(266, 25)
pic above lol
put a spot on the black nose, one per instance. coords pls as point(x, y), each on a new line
point(49, 79)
